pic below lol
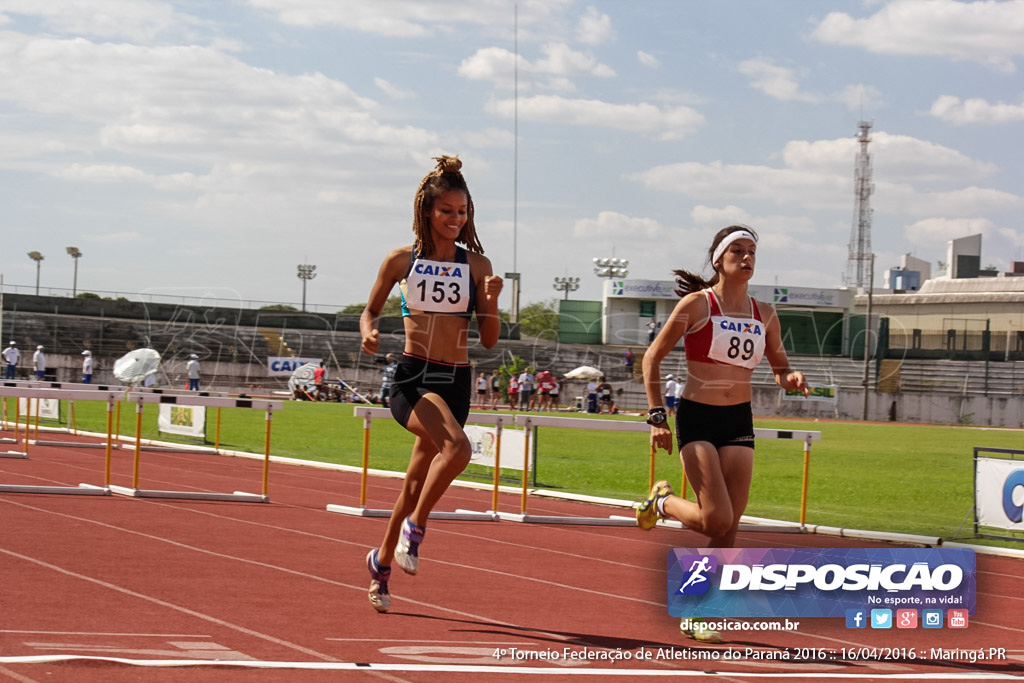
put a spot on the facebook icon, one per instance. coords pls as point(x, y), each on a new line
point(856, 618)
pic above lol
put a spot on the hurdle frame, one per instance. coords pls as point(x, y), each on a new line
point(369, 414)
point(193, 399)
point(30, 393)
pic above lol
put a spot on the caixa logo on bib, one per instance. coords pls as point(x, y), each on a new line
point(816, 582)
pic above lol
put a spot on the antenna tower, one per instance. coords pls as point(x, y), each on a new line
point(858, 263)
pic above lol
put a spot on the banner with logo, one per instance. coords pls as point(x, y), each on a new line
point(828, 393)
point(999, 493)
point(484, 441)
point(49, 408)
point(286, 365)
point(183, 420)
point(817, 582)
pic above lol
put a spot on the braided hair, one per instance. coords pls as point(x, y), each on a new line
point(687, 282)
point(447, 176)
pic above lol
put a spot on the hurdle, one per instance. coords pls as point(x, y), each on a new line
point(532, 421)
point(368, 415)
point(69, 386)
point(192, 399)
point(31, 393)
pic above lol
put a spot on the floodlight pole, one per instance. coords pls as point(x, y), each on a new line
point(75, 254)
point(567, 284)
point(306, 273)
point(38, 258)
point(867, 339)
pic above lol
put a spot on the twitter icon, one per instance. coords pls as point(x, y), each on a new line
point(881, 618)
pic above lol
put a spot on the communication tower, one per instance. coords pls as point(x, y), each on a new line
point(858, 263)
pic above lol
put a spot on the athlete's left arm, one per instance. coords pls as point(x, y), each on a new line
point(785, 376)
point(488, 287)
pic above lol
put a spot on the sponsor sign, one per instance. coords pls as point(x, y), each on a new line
point(286, 365)
point(48, 408)
point(816, 582)
point(785, 296)
point(819, 392)
point(999, 493)
point(484, 441)
point(183, 420)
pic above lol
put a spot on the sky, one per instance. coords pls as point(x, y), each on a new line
point(206, 149)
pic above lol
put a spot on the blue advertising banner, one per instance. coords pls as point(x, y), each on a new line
point(817, 582)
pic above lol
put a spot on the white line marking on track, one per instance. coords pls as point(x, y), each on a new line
point(370, 667)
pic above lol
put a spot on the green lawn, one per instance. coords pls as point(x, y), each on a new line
point(915, 479)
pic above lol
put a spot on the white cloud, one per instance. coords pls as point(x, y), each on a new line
point(710, 216)
point(136, 20)
point(985, 31)
point(775, 81)
point(552, 71)
point(616, 225)
point(975, 111)
point(393, 91)
point(664, 123)
point(594, 28)
point(860, 96)
point(647, 59)
point(938, 231)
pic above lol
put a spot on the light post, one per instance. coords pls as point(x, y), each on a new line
point(611, 267)
point(75, 254)
point(38, 258)
point(567, 284)
point(306, 273)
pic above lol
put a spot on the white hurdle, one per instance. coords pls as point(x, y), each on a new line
point(195, 399)
point(531, 421)
point(30, 393)
point(67, 386)
point(368, 414)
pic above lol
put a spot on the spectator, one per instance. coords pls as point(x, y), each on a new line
point(629, 358)
point(11, 355)
point(671, 394)
point(319, 374)
point(481, 390)
point(592, 396)
point(526, 384)
point(513, 392)
point(87, 367)
point(387, 379)
point(604, 396)
point(193, 372)
point(495, 389)
point(39, 363)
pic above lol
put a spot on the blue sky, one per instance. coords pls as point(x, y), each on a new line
point(206, 149)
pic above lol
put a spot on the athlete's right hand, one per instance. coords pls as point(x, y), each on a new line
point(661, 437)
point(371, 342)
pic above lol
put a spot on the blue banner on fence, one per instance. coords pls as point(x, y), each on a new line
point(816, 582)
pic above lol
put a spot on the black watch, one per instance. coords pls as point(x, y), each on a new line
point(656, 417)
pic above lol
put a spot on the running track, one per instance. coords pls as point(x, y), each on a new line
point(97, 587)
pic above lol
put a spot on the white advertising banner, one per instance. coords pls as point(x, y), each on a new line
point(285, 365)
point(182, 420)
point(48, 408)
point(999, 493)
point(828, 393)
point(484, 441)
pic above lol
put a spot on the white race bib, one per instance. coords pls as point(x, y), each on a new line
point(737, 341)
point(437, 287)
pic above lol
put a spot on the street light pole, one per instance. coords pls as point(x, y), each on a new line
point(306, 273)
point(75, 254)
point(38, 258)
point(567, 284)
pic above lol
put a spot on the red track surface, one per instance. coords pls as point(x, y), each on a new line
point(284, 583)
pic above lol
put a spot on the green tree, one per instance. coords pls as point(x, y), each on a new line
point(279, 307)
point(540, 319)
point(392, 308)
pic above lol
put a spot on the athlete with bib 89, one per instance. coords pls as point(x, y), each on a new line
point(725, 333)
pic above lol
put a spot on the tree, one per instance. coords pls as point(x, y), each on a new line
point(392, 308)
point(279, 307)
point(540, 319)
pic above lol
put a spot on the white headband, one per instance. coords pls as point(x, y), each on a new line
point(732, 237)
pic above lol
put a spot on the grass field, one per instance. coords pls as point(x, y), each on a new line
point(915, 479)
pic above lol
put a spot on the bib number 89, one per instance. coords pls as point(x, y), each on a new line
point(735, 351)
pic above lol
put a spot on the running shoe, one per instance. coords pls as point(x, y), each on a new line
point(379, 596)
point(407, 554)
point(647, 511)
point(699, 630)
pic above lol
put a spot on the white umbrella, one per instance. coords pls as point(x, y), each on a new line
point(135, 366)
point(302, 377)
point(584, 372)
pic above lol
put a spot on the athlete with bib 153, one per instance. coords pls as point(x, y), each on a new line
point(725, 333)
point(441, 284)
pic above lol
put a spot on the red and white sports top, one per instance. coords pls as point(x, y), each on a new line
point(727, 340)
